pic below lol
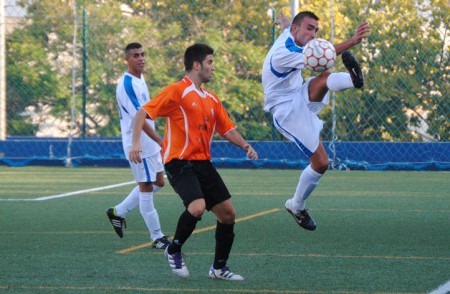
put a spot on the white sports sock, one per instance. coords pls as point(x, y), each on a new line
point(150, 215)
point(338, 81)
point(129, 203)
point(156, 188)
point(307, 183)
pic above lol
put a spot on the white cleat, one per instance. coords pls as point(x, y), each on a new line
point(176, 263)
point(224, 274)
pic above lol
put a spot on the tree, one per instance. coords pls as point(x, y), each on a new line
point(405, 60)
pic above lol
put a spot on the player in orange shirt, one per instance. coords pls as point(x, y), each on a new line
point(193, 114)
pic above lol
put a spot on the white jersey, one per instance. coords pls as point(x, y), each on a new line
point(131, 94)
point(281, 73)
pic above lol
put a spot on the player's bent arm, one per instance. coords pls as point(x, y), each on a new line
point(234, 137)
point(283, 21)
point(152, 134)
point(138, 125)
point(362, 32)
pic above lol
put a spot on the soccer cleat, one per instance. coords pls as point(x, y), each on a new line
point(353, 68)
point(176, 263)
point(116, 221)
point(302, 217)
point(224, 274)
point(161, 243)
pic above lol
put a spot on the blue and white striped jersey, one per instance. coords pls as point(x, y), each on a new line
point(131, 94)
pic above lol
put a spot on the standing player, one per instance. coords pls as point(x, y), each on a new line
point(193, 114)
point(131, 93)
point(295, 105)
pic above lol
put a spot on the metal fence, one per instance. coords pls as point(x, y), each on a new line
point(60, 60)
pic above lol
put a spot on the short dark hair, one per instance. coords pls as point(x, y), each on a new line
point(301, 15)
point(132, 46)
point(196, 52)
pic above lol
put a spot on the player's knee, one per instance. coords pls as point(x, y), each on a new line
point(159, 180)
point(323, 166)
point(227, 216)
point(320, 164)
point(197, 208)
point(159, 183)
point(145, 186)
point(197, 212)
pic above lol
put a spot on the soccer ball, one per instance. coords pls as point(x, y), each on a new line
point(319, 54)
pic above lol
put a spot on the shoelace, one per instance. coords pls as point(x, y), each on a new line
point(225, 272)
point(178, 259)
point(304, 214)
point(225, 269)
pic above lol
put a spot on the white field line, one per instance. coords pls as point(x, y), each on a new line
point(443, 289)
point(72, 193)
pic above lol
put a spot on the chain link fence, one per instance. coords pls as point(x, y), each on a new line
point(61, 61)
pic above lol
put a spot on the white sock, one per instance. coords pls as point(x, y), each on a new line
point(156, 188)
point(338, 81)
point(150, 215)
point(307, 183)
point(129, 203)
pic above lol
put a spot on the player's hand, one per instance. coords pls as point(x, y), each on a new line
point(135, 153)
point(362, 32)
point(283, 21)
point(251, 153)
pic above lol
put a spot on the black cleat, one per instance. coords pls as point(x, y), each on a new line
point(161, 243)
point(353, 68)
point(116, 221)
point(302, 218)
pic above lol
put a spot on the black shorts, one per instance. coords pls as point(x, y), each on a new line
point(195, 179)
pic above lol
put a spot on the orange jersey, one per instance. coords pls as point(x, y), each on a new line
point(192, 116)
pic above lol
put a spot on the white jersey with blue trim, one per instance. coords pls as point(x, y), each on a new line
point(131, 94)
point(281, 73)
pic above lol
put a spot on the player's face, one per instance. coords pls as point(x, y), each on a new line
point(306, 31)
point(136, 61)
point(207, 69)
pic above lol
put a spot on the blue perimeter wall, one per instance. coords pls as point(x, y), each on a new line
point(22, 151)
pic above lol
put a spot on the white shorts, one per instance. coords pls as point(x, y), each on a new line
point(297, 119)
point(145, 172)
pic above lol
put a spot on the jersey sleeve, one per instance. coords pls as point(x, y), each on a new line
point(164, 103)
point(287, 56)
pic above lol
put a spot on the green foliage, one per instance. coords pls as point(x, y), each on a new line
point(405, 60)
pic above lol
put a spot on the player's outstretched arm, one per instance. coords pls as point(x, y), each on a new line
point(234, 137)
point(136, 147)
point(362, 32)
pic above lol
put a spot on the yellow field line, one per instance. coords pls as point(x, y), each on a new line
point(180, 290)
point(134, 248)
point(320, 255)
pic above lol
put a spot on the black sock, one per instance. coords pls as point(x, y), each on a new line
point(185, 227)
point(224, 242)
